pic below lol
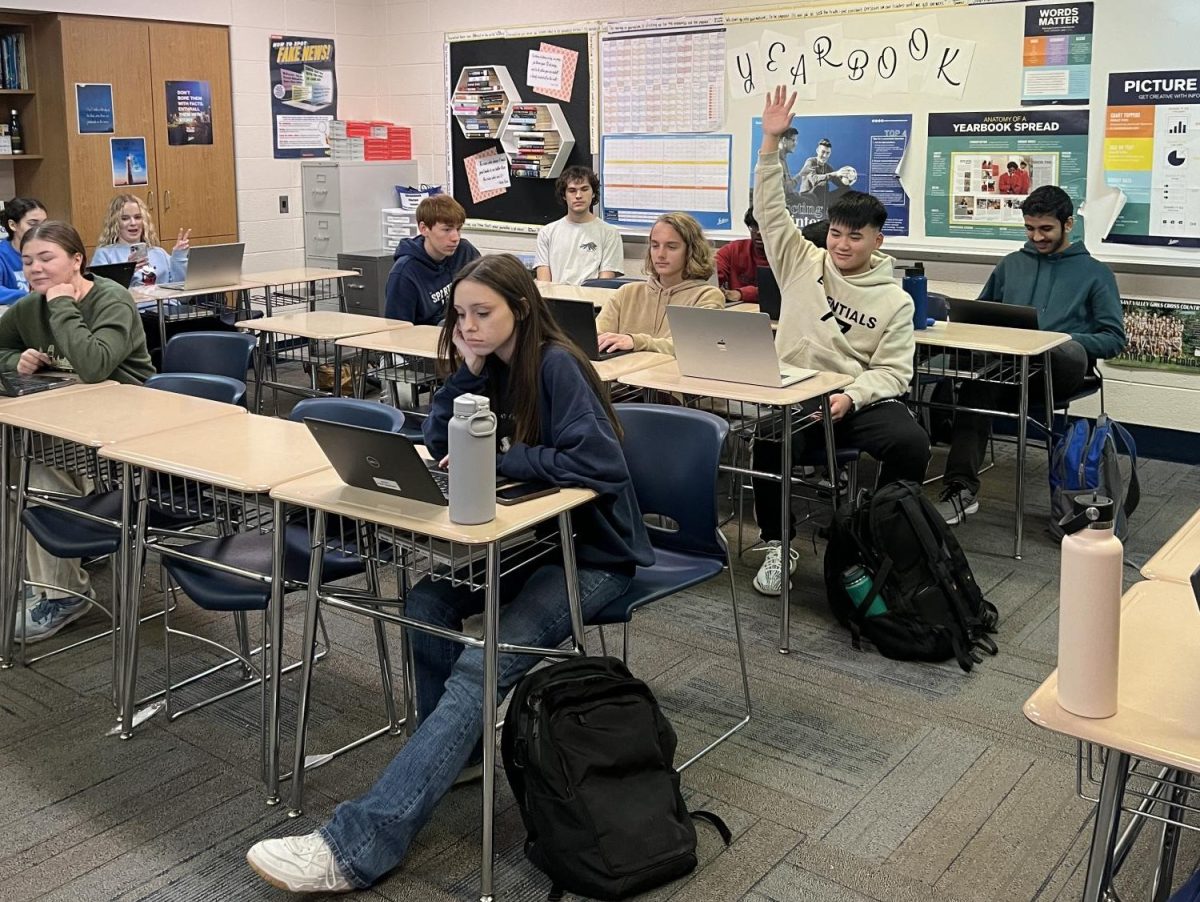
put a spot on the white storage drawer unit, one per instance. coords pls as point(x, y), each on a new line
point(342, 201)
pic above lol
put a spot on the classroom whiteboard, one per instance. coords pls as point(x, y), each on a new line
point(1150, 35)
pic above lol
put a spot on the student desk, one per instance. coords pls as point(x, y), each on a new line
point(233, 462)
point(402, 523)
point(667, 378)
point(560, 291)
point(412, 355)
point(300, 286)
point(747, 307)
point(66, 428)
point(1155, 722)
point(1179, 557)
point(995, 354)
point(194, 302)
point(307, 334)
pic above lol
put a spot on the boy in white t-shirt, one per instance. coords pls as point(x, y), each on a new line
point(579, 246)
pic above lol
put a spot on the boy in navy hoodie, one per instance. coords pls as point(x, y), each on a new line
point(1073, 292)
point(419, 282)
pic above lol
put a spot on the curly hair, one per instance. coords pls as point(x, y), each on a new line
point(698, 261)
point(111, 233)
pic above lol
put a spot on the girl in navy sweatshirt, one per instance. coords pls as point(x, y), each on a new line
point(499, 340)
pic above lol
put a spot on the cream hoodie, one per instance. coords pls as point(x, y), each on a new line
point(639, 309)
point(857, 325)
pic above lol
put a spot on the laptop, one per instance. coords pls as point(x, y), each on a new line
point(14, 385)
point(729, 347)
point(210, 266)
point(992, 313)
point(121, 273)
point(578, 320)
point(769, 300)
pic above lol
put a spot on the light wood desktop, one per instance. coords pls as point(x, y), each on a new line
point(415, 341)
point(275, 277)
point(1179, 556)
point(1156, 708)
point(990, 339)
point(559, 291)
point(614, 368)
point(667, 378)
point(322, 325)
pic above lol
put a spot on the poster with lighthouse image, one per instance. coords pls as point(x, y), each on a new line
point(128, 162)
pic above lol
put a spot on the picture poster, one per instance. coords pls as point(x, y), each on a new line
point(189, 113)
point(981, 166)
point(645, 176)
point(829, 155)
point(128, 162)
point(1057, 64)
point(303, 95)
point(94, 109)
point(1163, 335)
point(1152, 153)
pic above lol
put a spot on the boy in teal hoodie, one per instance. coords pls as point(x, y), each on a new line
point(1073, 293)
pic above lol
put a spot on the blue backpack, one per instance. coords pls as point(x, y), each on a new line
point(1190, 891)
point(1087, 458)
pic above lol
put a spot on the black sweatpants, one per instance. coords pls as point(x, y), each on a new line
point(886, 430)
point(968, 444)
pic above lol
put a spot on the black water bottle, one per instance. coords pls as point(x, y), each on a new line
point(14, 133)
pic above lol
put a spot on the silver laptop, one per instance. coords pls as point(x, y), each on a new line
point(211, 266)
point(729, 347)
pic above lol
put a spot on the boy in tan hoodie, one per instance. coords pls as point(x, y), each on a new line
point(843, 312)
point(679, 261)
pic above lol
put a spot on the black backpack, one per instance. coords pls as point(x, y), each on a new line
point(934, 608)
point(589, 754)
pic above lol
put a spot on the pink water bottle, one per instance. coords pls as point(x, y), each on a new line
point(1089, 609)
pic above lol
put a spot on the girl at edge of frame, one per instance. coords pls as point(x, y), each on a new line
point(555, 425)
point(20, 215)
point(128, 224)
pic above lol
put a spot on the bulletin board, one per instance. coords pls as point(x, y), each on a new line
point(526, 203)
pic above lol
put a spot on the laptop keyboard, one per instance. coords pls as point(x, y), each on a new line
point(440, 477)
point(15, 384)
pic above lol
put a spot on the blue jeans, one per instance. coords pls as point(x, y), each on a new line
point(370, 835)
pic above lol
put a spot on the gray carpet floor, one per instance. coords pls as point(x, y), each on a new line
point(858, 779)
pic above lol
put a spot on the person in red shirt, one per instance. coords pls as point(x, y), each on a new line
point(738, 263)
point(1014, 181)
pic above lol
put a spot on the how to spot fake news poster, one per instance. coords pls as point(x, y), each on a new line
point(303, 96)
point(1152, 153)
point(981, 166)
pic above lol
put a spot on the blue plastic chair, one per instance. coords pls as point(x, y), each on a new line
point(616, 282)
point(201, 385)
point(218, 353)
point(351, 412)
point(690, 550)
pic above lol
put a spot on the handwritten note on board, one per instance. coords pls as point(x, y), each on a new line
point(544, 70)
point(568, 61)
point(487, 174)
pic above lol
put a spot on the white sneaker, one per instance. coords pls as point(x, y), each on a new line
point(768, 580)
point(299, 864)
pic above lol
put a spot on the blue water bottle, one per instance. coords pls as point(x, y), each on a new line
point(857, 583)
point(918, 289)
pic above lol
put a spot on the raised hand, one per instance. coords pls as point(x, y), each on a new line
point(777, 111)
point(182, 243)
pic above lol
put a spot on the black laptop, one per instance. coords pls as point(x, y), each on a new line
point(14, 385)
point(769, 300)
point(1196, 584)
point(578, 320)
point(379, 461)
point(991, 313)
point(121, 273)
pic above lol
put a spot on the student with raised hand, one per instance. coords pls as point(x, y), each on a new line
point(20, 215)
point(425, 265)
point(841, 311)
point(580, 246)
point(1073, 292)
point(679, 262)
point(129, 234)
point(86, 326)
point(555, 424)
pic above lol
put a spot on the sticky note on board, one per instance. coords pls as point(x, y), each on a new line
point(566, 81)
point(483, 175)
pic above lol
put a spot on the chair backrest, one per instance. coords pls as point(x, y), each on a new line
point(679, 484)
point(609, 283)
point(351, 412)
point(937, 306)
point(201, 385)
point(219, 353)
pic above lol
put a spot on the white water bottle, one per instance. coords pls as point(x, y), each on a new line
point(1089, 609)
point(471, 435)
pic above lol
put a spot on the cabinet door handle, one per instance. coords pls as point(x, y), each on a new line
point(150, 200)
point(167, 199)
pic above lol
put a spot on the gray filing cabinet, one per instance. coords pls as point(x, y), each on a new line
point(342, 201)
point(365, 292)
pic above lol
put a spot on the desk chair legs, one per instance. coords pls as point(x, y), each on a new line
point(1101, 858)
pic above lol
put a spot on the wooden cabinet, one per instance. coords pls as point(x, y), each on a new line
point(187, 186)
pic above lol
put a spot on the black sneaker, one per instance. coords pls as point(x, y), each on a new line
point(956, 503)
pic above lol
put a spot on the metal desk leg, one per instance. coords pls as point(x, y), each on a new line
point(1179, 786)
point(311, 608)
point(785, 521)
point(8, 599)
point(13, 594)
point(275, 656)
point(491, 663)
point(1108, 819)
point(337, 370)
point(341, 296)
point(1049, 402)
point(571, 571)
point(162, 326)
point(1022, 430)
point(830, 451)
point(132, 602)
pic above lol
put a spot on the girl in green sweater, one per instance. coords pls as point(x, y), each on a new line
point(89, 327)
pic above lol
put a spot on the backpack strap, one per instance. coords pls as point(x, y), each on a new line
point(720, 825)
point(1133, 491)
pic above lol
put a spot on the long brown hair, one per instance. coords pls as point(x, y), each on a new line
point(57, 232)
point(111, 232)
point(698, 261)
point(537, 331)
